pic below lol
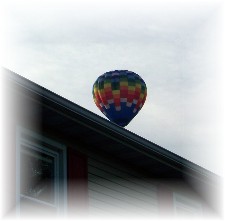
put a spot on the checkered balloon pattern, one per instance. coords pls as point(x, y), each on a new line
point(119, 95)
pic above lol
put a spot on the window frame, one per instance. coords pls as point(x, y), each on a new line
point(26, 138)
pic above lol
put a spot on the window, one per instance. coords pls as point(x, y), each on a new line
point(41, 175)
point(185, 206)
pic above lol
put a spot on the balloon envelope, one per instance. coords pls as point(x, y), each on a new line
point(120, 95)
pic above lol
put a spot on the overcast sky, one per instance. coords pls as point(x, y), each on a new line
point(175, 46)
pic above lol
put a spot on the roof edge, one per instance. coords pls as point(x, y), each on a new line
point(110, 126)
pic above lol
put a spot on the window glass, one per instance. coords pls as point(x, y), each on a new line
point(37, 172)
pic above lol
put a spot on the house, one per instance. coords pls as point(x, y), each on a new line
point(63, 160)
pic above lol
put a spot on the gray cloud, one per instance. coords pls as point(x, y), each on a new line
point(171, 46)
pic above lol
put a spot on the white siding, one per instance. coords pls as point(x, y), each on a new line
point(186, 206)
point(115, 189)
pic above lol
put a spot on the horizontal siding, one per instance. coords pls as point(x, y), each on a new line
point(122, 172)
point(119, 186)
point(184, 205)
point(114, 188)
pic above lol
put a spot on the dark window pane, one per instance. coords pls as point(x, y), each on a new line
point(37, 175)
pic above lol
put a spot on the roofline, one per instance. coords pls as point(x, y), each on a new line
point(110, 126)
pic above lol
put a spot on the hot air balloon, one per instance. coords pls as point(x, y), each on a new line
point(119, 95)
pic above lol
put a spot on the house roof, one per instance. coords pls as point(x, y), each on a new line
point(76, 122)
